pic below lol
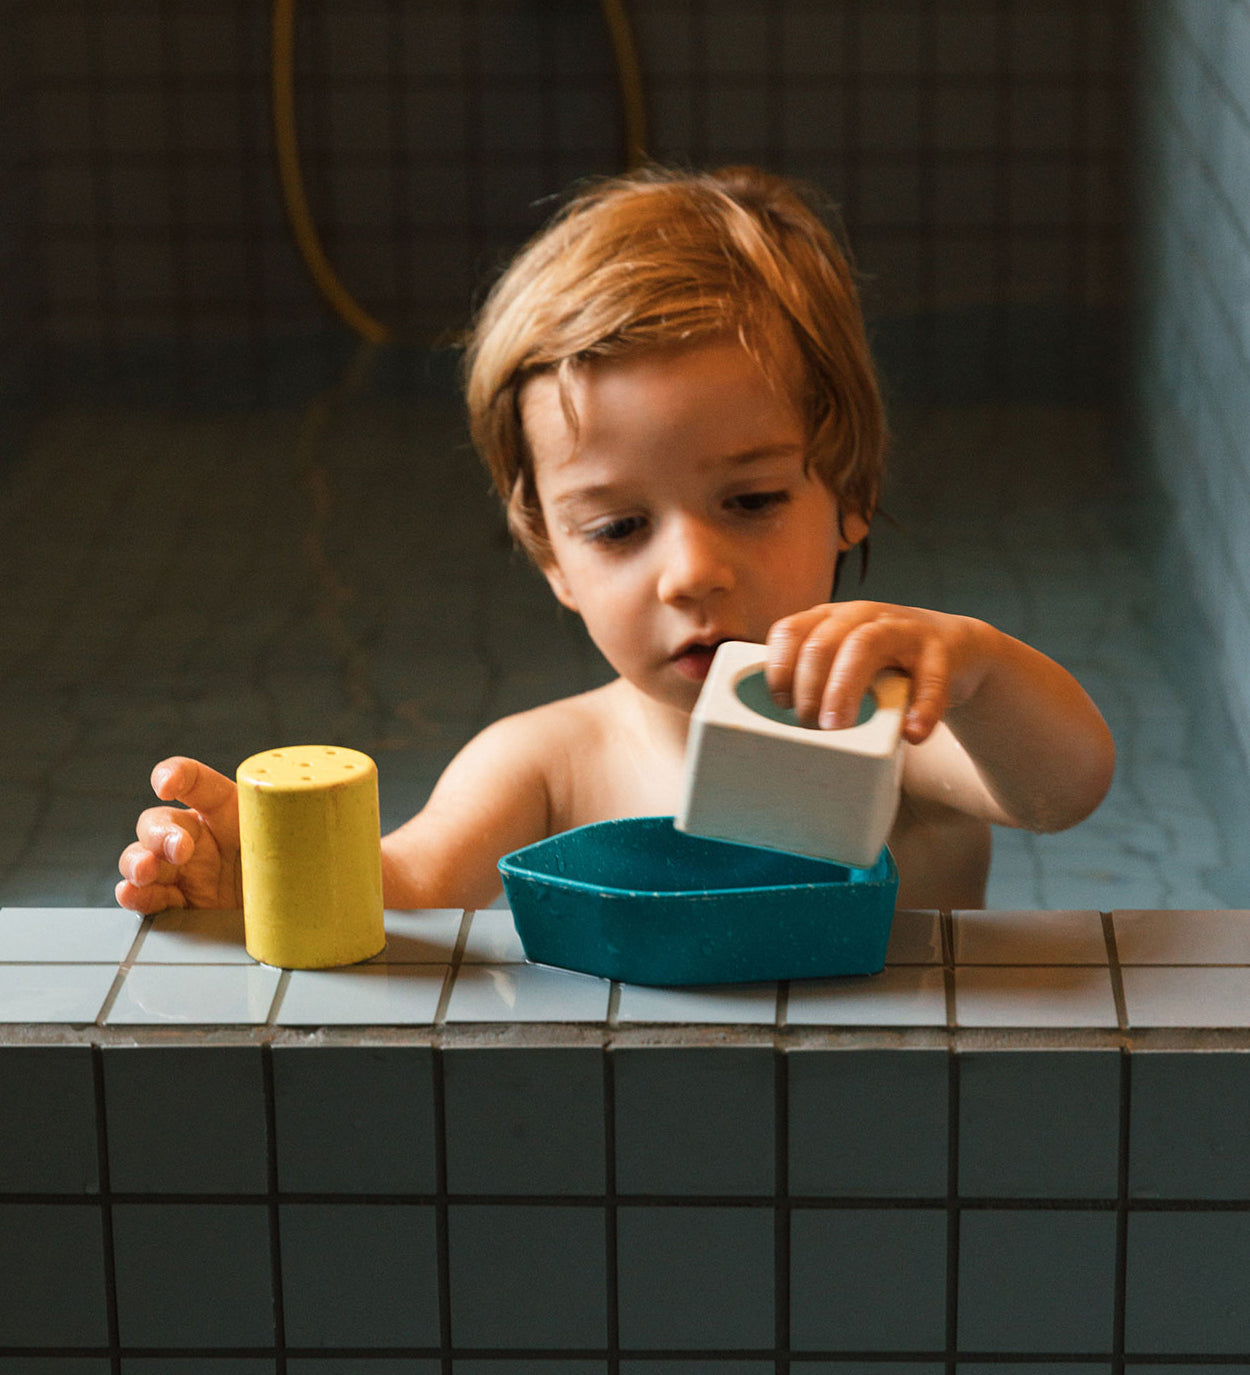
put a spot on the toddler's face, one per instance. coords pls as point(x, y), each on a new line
point(680, 513)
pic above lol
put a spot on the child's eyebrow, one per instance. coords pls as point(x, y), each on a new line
point(763, 451)
point(583, 496)
point(595, 492)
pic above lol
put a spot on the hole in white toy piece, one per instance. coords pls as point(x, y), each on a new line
point(754, 694)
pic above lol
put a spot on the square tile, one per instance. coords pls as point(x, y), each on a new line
point(522, 1121)
point(848, 1269)
point(1187, 1277)
point(1039, 1124)
point(323, 1093)
point(742, 1004)
point(1022, 938)
point(1039, 1280)
point(52, 1260)
point(195, 935)
point(70, 935)
point(915, 938)
point(363, 995)
point(515, 1365)
point(1190, 996)
point(528, 1275)
point(72, 993)
point(868, 1123)
point(69, 1365)
point(1035, 996)
point(223, 1365)
point(359, 1275)
point(1160, 937)
point(906, 1368)
point(1190, 1125)
point(695, 1365)
point(195, 995)
point(697, 1120)
point(365, 1365)
point(193, 1274)
point(186, 1119)
point(696, 1277)
point(1049, 1368)
point(492, 938)
point(48, 1142)
point(423, 936)
point(526, 993)
point(901, 995)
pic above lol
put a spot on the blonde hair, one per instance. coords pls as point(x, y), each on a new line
point(657, 258)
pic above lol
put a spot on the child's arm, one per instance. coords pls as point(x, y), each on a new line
point(491, 799)
point(1009, 736)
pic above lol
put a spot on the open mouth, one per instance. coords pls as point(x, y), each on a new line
point(694, 660)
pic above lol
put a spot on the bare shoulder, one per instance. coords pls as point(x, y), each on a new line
point(528, 755)
point(570, 723)
point(504, 789)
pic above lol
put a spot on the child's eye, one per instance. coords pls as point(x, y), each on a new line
point(757, 503)
point(616, 531)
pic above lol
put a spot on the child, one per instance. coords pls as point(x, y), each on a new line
point(672, 389)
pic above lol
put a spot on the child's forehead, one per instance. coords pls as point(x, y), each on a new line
point(689, 375)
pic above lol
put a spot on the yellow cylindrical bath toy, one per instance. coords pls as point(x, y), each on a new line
point(311, 854)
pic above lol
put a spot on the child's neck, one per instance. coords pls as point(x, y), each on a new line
point(661, 726)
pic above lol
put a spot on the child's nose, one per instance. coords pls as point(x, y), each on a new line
point(696, 563)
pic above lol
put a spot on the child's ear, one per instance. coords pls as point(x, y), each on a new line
point(556, 581)
point(852, 528)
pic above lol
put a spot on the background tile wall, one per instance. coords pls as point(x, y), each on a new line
point(980, 152)
point(22, 313)
point(571, 1208)
point(976, 146)
point(1193, 363)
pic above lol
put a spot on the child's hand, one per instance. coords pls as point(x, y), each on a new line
point(184, 857)
point(821, 661)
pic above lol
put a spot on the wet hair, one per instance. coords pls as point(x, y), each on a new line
point(658, 259)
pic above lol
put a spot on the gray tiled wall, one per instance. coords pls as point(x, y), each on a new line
point(20, 295)
point(976, 146)
point(728, 1208)
point(1193, 369)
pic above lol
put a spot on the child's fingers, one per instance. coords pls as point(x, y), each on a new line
point(836, 667)
point(169, 832)
point(193, 784)
point(147, 898)
point(787, 638)
point(839, 656)
point(142, 867)
point(842, 671)
point(930, 695)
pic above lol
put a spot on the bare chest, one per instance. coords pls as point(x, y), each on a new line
point(619, 774)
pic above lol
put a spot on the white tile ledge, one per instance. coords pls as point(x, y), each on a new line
point(1018, 972)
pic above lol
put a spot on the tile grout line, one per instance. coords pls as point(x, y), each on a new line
point(279, 997)
point(782, 1228)
point(1120, 1282)
point(439, 1018)
point(442, 1210)
point(953, 1214)
point(611, 1212)
point(946, 930)
point(125, 965)
point(274, 1206)
point(1116, 973)
point(106, 1211)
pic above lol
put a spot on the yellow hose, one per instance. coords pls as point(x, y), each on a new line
point(629, 77)
point(327, 281)
point(335, 294)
